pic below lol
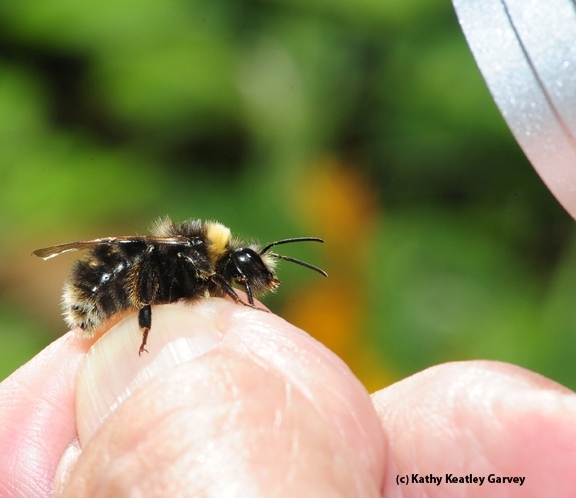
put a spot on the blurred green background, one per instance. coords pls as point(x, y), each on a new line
point(366, 123)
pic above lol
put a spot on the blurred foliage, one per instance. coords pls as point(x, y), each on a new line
point(366, 123)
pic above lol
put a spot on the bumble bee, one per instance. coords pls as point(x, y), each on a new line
point(184, 261)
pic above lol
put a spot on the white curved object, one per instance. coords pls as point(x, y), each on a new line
point(526, 51)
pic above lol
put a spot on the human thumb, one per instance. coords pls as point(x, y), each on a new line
point(229, 401)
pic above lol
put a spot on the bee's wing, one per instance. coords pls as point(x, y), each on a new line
point(50, 252)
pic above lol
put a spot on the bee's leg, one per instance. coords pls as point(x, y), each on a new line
point(226, 287)
point(229, 290)
point(250, 302)
point(144, 322)
point(147, 284)
point(248, 290)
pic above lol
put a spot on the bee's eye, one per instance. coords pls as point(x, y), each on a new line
point(246, 256)
point(249, 264)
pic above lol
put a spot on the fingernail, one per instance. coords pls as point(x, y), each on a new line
point(67, 463)
point(113, 369)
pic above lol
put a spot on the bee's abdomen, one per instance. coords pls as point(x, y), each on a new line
point(95, 290)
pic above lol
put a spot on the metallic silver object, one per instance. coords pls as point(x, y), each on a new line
point(526, 51)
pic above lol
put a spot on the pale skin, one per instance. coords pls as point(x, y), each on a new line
point(231, 401)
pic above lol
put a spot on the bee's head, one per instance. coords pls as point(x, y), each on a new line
point(253, 268)
point(249, 269)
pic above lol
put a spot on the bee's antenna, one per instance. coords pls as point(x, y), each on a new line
point(293, 260)
point(298, 262)
point(289, 241)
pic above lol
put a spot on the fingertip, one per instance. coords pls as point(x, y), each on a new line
point(240, 388)
point(480, 418)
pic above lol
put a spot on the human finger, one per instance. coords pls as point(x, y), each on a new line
point(478, 429)
point(37, 418)
point(229, 401)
